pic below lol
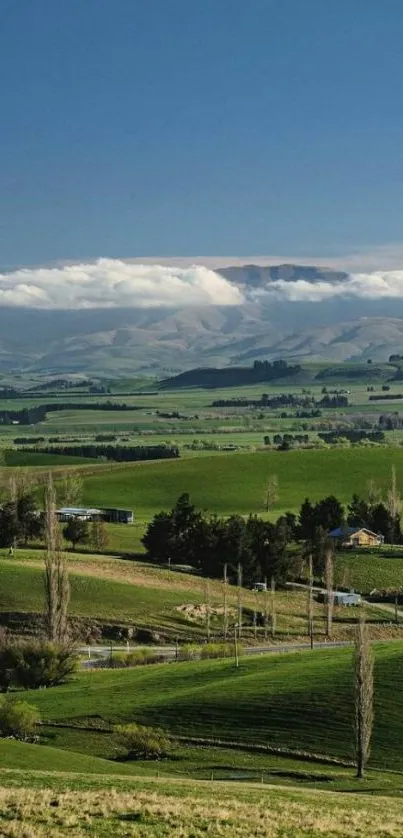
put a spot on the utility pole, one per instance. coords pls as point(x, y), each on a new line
point(273, 606)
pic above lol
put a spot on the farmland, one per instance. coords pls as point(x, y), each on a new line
point(279, 719)
point(112, 591)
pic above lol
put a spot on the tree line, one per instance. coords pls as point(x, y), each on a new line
point(186, 535)
point(33, 415)
point(117, 453)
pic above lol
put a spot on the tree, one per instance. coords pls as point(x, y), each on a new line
point(44, 664)
point(57, 588)
point(158, 539)
point(364, 695)
point(271, 491)
point(358, 512)
point(310, 600)
point(70, 489)
point(99, 536)
point(273, 607)
point(19, 521)
point(9, 525)
point(77, 532)
point(393, 500)
point(329, 591)
point(18, 718)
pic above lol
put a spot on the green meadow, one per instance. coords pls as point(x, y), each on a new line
point(236, 483)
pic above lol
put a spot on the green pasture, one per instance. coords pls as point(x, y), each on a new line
point(22, 590)
point(236, 483)
point(301, 701)
point(370, 570)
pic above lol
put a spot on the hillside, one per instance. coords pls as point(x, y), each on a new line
point(300, 701)
point(237, 483)
point(161, 340)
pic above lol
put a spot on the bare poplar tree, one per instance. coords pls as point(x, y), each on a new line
point(266, 608)
point(255, 614)
point(207, 600)
point(57, 588)
point(13, 488)
point(310, 599)
point(364, 696)
point(273, 607)
point(71, 489)
point(225, 602)
point(239, 598)
point(393, 499)
point(271, 492)
point(329, 591)
point(374, 493)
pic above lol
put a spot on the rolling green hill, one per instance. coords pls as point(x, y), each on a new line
point(237, 483)
point(299, 700)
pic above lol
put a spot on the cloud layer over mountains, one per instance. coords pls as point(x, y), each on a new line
point(112, 283)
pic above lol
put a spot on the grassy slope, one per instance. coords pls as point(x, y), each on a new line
point(367, 571)
point(296, 700)
point(138, 593)
point(94, 597)
point(236, 483)
point(161, 809)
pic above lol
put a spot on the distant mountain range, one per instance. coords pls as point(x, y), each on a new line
point(117, 341)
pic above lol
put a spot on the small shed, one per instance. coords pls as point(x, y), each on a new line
point(344, 598)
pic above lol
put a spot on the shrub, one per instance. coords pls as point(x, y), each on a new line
point(142, 657)
point(18, 718)
point(35, 664)
point(142, 742)
point(217, 650)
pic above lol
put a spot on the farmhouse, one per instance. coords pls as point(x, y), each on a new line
point(356, 537)
point(114, 516)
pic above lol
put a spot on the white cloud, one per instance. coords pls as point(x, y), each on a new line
point(366, 286)
point(110, 283)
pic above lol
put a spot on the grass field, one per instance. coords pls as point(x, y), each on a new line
point(298, 701)
point(173, 603)
point(368, 571)
point(138, 594)
point(42, 805)
point(237, 482)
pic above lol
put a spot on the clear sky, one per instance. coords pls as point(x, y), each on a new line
point(195, 127)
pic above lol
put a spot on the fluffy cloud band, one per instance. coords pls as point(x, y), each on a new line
point(110, 283)
point(372, 286)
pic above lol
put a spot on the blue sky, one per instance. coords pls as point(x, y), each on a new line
point(196, 127)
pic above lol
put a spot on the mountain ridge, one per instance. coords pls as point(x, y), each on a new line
point(158, 340)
